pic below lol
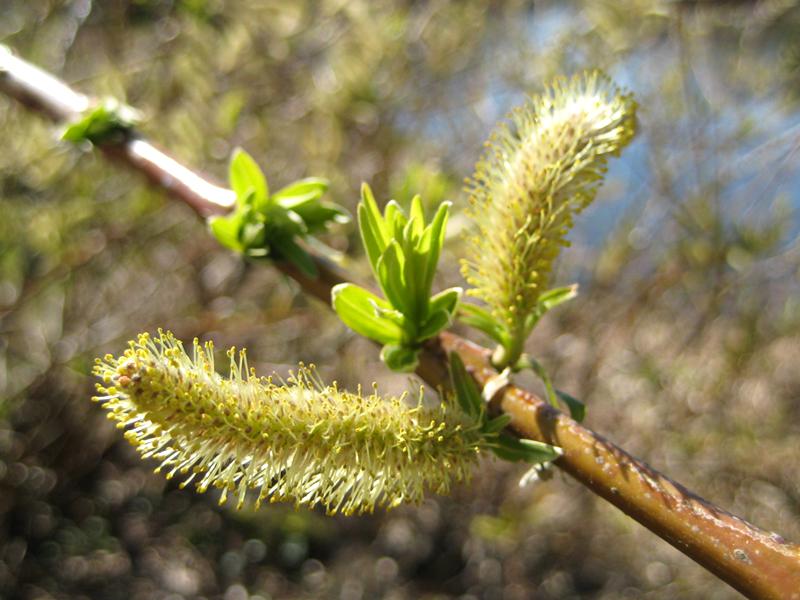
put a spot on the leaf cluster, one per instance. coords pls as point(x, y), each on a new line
point(403, 252)
point(268, 225)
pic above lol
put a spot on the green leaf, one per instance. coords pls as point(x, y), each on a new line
point(311, 187)
point(497, 424)
point(356, 308)
point(395, 219)
point(467, 393)
point(415, 295)
point(318, 214)
point(226, 230)
point(435, 323)
point(549, 299)
point(290, 250)
point(282, 221)
point(481, 319)
point(552, 298)
point(400, 358)
point(577, 409)
point(371, 227)
point(390, 277)
point(511, 448)
point(529, 362)
point(431, 245)
point(376, 219)
point(403, 253)
point(446, 300)
point(245, 177)
point(303, 197)
point(370, 238)
point(417, 216)
point(390, 314)
point(252, 236)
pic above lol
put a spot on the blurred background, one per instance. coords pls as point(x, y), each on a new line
point(684, 342)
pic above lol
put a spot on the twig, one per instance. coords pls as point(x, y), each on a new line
point(755, 562)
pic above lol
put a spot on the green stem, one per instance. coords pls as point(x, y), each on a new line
point(507, 355)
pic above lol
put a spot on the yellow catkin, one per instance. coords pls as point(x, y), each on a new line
point(539, 169)
point(298, 440)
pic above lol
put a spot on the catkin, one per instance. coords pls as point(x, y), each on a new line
point(299, 440)
point(539, 169)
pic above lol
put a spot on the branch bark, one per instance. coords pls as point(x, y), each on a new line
point(757, 563)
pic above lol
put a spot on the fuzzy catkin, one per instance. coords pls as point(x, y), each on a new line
point(540, 169)
point(300, 441)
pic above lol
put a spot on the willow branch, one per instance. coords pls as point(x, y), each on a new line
point(755, 562)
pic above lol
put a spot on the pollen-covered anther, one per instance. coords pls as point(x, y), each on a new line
point(300, 440)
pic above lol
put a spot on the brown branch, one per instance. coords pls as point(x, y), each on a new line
point(755, 562)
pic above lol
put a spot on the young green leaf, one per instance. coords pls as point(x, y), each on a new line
point(446, 300)
point(554, 297)
point(515, 449)
point(356, 308)
point(531, 363)
point(262, 226)
point(318, 214)
point(304, 198)
point(311, 187)
point(390, 314)
point(467, 393)
point(246, 177)
point(482, 320)
point(226, 230)
point(390, 278)
point(502, 444)
point(417, 215)
point(400, 358)
point(371, 227)
point(435, 323)
point(291, 251)
point(549, 299)
point(433, 240)
point(497, 424)
point(577, 409)
point(396, 220)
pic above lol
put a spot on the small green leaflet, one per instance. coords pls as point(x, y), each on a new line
point(514, 449)
point(360, 310)
point(481, 319)
point(247, 180)
point(467, 393)
point(577, 409)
